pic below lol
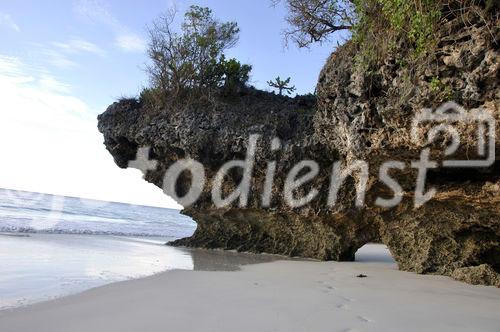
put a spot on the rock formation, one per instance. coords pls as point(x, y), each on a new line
point(358, 116)
point(369, 117)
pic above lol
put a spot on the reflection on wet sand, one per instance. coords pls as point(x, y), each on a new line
point(219, 260)
point(37, 267)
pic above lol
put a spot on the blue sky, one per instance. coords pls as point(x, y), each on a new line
point(64, 62)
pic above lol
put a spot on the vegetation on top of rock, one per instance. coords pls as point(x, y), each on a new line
point(192, 64)
point(282, 85)
point(314, 21)
point(384, 25)
point(375, 25)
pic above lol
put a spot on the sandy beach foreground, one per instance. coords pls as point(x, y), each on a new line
point(274, 296)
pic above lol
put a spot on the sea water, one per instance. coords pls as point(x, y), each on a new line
point(52, 246)
point(25, 212)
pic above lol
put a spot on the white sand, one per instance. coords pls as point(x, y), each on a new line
point(278, 296)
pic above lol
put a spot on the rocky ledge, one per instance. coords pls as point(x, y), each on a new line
point(357, 116)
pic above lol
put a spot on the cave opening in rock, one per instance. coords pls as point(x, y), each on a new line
point(374, 253)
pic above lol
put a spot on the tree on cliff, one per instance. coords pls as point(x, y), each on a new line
point(376, 25)
point(313, 21)
point(282, 85)
point(235, 75)
point(192, 62)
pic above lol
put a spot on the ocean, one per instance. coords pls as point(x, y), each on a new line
point(52, 246)
point(26, 212)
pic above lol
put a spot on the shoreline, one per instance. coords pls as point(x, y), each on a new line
point(283, 295)
point(39, 267)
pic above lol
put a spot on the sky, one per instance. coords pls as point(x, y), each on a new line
point(63, 62)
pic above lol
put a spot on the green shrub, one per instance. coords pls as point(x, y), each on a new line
point(282, 85)
point(383, 25)
point(234, 76)
point(152, 97)
point(440, 90)
point(190, 64)
point(414, 19)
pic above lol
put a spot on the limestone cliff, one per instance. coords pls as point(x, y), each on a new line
point(358, 116)
point(369, 116)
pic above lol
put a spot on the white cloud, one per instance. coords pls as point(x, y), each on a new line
point(61, 54)
point(79, 46)
point(130, 42)
point(7, 21)
point(58, 59)
point(97, 12)
point(10, 66)
point(50, 142)
point(49, 83)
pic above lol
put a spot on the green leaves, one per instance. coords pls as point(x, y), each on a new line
point(192, 60)
point(235, 75)
point(414, 19)
point(282, 85)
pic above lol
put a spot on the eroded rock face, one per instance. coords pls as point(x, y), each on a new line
point(358, 117)
point(216, 135)
point(477, 275)
point(369, 117)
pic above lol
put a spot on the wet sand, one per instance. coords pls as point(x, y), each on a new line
point(276, 296)
point(38, 267)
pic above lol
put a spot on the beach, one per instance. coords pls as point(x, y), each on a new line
point(283, 295)
point(250, 166)
point(38, 267)
point(53, 246)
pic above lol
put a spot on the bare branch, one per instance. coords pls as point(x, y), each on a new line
point(315, 20)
